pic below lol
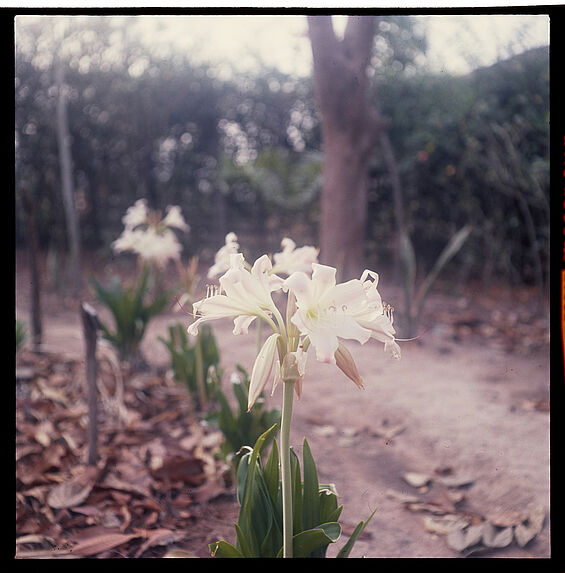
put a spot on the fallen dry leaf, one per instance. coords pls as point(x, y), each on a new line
point(400, 496)
point(179, 554)
point(388, 432)
point(102, 541)
point(46, 554)
point(159, 537)
point(416, 479)
point(50, 393)
point(496, 538)
point(455, 480)
point(112, 481)
point(524, 534)
point(504, 517)
point(531, 527)
point(325, 431)
point(536, 517)
point(187, 469)
point(462, 539)
point(445, 524)
point(68, 494)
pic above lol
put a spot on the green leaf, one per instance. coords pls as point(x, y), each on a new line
point(311, 499)
point(307, 542)
point(222, 549)
point(271, 472)
point(296, 492)
point(346, 549)
point(329, 510)
point(243, 542)
point(256, 513)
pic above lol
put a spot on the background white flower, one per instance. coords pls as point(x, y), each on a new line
point(175, 219)
point(151, 239)
point(136, 215)
point(292, 259)
point(222, 257)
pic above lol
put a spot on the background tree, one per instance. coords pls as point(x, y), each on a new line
point(349, 133)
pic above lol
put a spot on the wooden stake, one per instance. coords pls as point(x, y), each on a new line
point(90, 327)
point(35, 277)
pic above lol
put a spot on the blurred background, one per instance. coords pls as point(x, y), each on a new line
point(217, 114)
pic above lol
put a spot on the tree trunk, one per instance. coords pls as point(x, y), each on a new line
point(349, 134)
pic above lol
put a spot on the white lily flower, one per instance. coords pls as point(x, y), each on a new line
point(150, 239)
point(175, 219)
point(222, 257)
point(242, 295)
point(136, 215)
point(292, 259)
point(327, 311)
point(128, 240)
point(157, 247)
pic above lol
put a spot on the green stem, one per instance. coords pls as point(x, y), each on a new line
point(286, 415)
point(200, 372)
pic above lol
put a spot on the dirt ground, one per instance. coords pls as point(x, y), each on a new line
point(456, 431)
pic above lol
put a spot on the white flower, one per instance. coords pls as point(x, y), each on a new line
point(222, 257)
point(292, 259)
point(175, 219)
point(242, 295)
point(157, 247)
point(351, 310)
point(128, 240)
point(151, 240)
point(136, 215)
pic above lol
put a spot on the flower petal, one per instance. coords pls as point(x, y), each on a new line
point(325, 342)
point(323, 277)
point(242, 323)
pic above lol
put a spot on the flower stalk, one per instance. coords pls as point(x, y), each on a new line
point(286, 417)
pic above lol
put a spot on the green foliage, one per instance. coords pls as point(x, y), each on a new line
point(21, 334)
point(241, 427)
point(259, 492)
point(283, 180)
point(471, 150)
point(132, 309)
point(195, 365)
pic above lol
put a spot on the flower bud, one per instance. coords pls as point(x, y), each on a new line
point(346, 364)
point(262, 369)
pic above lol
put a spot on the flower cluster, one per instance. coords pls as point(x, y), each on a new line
point(319, 313)
point(148, 236)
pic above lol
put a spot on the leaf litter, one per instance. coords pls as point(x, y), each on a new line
point(467, 532)
point(157, 468)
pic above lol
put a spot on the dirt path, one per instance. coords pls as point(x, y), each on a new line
point(466, 411)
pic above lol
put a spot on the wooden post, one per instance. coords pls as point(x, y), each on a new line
point(90, 327)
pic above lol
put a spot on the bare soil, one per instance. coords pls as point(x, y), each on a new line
point(465, 411)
